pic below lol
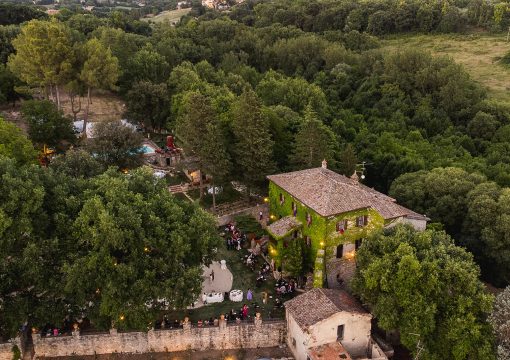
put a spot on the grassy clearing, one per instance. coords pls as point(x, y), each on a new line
point(171, 16)
point(478, 52)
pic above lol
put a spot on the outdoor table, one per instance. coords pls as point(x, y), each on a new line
point(236, 295)
point(223, 265)
point(214, 298)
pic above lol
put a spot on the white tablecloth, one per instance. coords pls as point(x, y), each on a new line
point(223, 265)
point(236, 295)
point(213, 298)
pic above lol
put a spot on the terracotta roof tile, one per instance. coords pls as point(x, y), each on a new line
point(319, 304)
point(329, 193)
point(283, 226)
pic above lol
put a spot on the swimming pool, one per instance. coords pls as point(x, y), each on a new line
point(147, 149)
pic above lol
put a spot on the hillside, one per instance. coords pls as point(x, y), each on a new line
point(478, 52)
point(171, 16)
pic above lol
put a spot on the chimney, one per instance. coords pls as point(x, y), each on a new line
point(324, 164)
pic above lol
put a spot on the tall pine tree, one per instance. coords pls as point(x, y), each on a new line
point(201, 137)
point(314, 142)
point(253, 143)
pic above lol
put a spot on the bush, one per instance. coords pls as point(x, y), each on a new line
point(249, 225)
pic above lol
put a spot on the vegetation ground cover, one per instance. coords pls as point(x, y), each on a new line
point(478, 52)
point(168, 16)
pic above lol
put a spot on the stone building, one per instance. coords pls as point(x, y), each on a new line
point(330, 324)
point(330, 213)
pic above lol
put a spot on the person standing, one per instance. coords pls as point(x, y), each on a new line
point(249, 295)
point(245, 312)
point(261, 215)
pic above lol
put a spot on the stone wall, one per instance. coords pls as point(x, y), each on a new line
point(255, 335)
point(6, 349)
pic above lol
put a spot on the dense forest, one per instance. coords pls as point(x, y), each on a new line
point(298, 78)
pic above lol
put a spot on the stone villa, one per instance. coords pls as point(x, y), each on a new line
point(333, 326)
point(330, 213)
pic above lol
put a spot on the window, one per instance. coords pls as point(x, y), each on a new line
point(339, 251)
point(308, 219)
point(340, 332)
point(294, 342)
point(362, 220)
point(341, 226)
point(282, 199)
point(358, 243)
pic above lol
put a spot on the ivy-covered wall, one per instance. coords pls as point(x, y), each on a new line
point(353, 232)
point(322, 231)
point(316, 231)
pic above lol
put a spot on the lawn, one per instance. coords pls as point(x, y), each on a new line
point(168, 16)
point(478, 52)
point(244, 279)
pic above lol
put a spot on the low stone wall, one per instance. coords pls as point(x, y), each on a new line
point(256, 335)
point(6, 349)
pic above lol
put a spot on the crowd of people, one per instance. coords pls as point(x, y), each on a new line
point(235, 239)
point(283, 286)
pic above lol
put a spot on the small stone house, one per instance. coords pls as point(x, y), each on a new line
point(330, 213)
point(329, 324)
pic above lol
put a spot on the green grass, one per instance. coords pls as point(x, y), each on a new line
point(229, 194)
point(168, 16)
point(244, 279)
point(478, 52)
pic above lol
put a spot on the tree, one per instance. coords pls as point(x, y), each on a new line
point(488, 223)
point(44, 55)
point(15, 145)
point(100, 71)
point(8, 83)
point(115, 144)
point(421, 283)
point(215, 156)
point(253, 144)
point(197, 112)
point(47, 125)
point(141, 250)
point(348, 160)
point(500, 320)
point(440, 193)
point(76, 164)
point(148, 65)
point(314, 142)
point(122, 242)
point(149, 104)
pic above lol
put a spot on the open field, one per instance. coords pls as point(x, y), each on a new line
point(478, 52)
point(171, 16)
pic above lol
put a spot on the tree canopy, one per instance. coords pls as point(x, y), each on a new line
point(424, 286)
point(119, 241)
point(15, 145)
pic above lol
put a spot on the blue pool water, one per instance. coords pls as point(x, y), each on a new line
point(145, 149)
